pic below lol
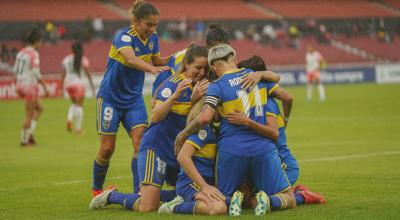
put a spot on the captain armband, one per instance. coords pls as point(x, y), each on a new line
point(213, 101)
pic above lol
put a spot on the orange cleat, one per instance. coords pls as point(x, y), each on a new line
point(312, 197)
point(100, 191)
point(69, 126)
point(300, 188)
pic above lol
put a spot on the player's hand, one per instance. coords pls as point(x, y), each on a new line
point(158, 69)
point(212, 193)
point(250, 80)
point(179, 141)
point(237, 117)
point(182, 86)
point(200, 90)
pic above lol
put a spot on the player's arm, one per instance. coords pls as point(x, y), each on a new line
point(270, 130)
point(137, 63)
point(63, 75)
point(205, 117)
point(161, 109)
point(287, 102)
point(185, 160)
point(251, 79)
point(160, 61)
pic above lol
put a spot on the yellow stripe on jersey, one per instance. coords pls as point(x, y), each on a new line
point(152, 166)
point(272, 114)
point(146, 57)
point(116, 55)
point(273, 89)
point(181, 108)
point(208, 151)
point(176, 78)
point(280, 121)
point(237, 104)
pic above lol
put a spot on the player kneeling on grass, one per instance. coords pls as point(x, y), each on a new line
point(302, 194)
point(195, 190)
point(241, 151)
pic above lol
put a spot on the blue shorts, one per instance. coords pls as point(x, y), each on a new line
point(109, 117)
point(290, 165)
point(264, 171)
point(187, 189)
point(153, 170)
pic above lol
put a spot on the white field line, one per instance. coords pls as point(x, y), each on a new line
point(347, 157)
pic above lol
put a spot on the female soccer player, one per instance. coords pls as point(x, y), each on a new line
point(289, 162)
point(314, 62)
point(195, 185)
point(120, 98)
point(74, 66)
point(157, 161)
point(28, 76)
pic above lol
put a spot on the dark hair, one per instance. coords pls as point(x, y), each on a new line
point(255, 63)
point(77, 49)
point(216, 35)
point(193, 51)
point(33, 36)
point(141, 10)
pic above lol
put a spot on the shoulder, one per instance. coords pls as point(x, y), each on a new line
point(123, 35)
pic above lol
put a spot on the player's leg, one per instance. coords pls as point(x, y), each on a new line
point(230, 172)
point(135, 123)
point(309, 85)
point(108, 119)
point(321, 89)
point(269, 177)
point(26, 126)
point(79, 109)
point(304, 196)
point(289, 165)
point(71, 109)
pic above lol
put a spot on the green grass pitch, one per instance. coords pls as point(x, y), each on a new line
point(348, 148)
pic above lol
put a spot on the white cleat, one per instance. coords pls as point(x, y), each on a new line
point(168, 208)
point(101, 200)
point(263, 204)
point(235, 207)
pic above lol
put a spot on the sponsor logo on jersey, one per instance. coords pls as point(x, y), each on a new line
point(202, 134)
point(126, 38)
point(166, 93)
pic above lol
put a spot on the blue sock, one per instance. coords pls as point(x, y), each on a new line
point(275, 202)
point(135, 175)
point(185, 208)
point(299, 198)
point(228, 200)
point(125, 200)
point(99, 175)
point(167, 195)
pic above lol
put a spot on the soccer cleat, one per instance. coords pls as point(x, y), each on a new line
point(235, 206)
point(312, 197)
point(263, 204)
point(168, 208)
point(96, 192)
point(300, 188)
point(26, 144)
point(101, 200)
point(32, 140)
point(69, 126)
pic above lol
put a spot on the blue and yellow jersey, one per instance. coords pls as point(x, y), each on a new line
point(272, 109)
point(234, 139)
point(175, 63)
point(122, 83)
point(204, 157)
point(160, 136)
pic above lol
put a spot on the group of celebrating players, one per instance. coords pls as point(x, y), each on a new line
point(215, 135)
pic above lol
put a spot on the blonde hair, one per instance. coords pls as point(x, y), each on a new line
point(195, 110)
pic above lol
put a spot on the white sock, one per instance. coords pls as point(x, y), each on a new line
point(309, 91)
point(71, 111)
point(25, 135)
point(78, 117)
point(33, 126)
point(321, 90)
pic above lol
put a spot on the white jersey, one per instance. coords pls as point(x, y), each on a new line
point(313, 60)
point(73, 77)
point(26, 67)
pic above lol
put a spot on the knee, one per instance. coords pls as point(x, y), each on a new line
point(106, 150)
point(218, 208)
